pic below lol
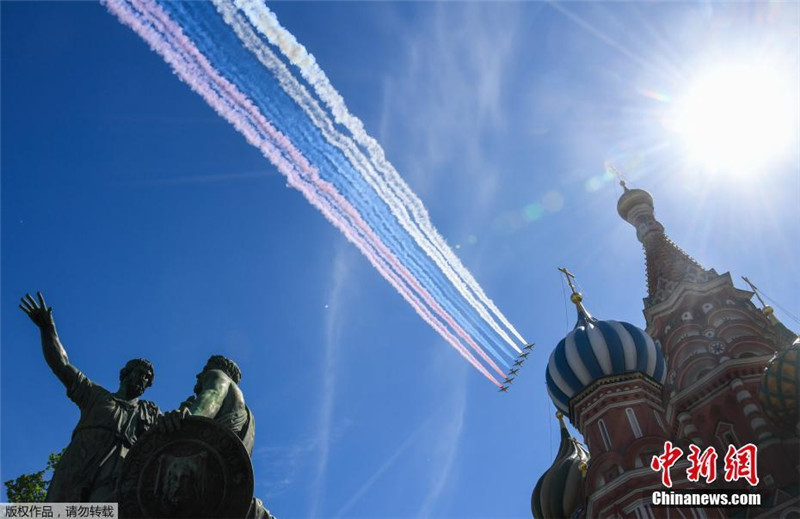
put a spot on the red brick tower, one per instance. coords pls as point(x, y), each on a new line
point(712, 370)
point(607, 377)
point(716, 344)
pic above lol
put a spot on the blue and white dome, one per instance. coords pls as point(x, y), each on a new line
point(596, 349)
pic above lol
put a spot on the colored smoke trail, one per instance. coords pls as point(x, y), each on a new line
point(357, 160)
point(435, 287)
point(168, 40)
point(354, 196)
point(267, 23)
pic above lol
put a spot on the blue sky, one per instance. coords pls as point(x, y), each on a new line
point(156, 231)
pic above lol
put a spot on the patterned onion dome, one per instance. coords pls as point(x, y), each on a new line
point(780, 388)
point(596, 349)
point(559, 492)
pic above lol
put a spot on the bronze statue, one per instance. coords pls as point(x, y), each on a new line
point(217, 396)
point(109, 425)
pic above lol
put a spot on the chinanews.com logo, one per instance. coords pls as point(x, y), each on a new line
point(739, 464)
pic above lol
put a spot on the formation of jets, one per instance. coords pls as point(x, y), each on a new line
point(515, 368)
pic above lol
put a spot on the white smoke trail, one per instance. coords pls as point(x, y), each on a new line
point(317, 78)
point(320, 119)
point(266, 23)
point(168, 40)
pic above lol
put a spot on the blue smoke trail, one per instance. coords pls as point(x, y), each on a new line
point(339, 164)
point(222, 47)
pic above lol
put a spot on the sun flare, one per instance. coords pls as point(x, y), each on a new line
point(737, 117)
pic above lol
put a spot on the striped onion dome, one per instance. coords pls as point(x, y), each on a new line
point(780, 388)
point(559, 492)
point(596, 349)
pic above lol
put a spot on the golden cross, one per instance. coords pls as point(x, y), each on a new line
point(569, 277)
point(617, 174)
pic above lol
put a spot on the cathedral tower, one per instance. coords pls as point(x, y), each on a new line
point(716, 344)
point(607, 377)
point(710, 370)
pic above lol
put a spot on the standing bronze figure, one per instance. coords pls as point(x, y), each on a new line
point(109, 425)
point(197, 461)
point(217, 396)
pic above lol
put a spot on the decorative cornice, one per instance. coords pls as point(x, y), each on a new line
point(622, 488)
point(675, 302)
point(610, 390)
point(717, 381)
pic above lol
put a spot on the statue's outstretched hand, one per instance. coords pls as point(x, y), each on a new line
point(40, 314)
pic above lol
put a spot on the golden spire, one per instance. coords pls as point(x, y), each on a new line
point(610, 167)
point(576, 297)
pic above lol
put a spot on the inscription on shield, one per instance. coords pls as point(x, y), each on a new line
point(201, 470)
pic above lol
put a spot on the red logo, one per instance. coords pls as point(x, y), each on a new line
point(739, 463)
point(665, 461)
point(704, 464)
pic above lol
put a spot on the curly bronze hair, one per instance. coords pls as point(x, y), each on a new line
point(134, 363)
point(225, 365)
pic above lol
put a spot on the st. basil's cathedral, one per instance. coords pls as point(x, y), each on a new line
point(711, 369)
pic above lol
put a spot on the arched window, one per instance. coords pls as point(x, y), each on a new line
point(604, 434)
point(637, 431)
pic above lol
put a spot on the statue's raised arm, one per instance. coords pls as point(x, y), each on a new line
point(109, 425)
point(54, 352)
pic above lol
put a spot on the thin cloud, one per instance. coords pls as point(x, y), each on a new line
point(279, 465)
point(442, 429)
point(458, 64)
point(333, 332)
point(410, 440)
point(447, 445)
point(285, 462)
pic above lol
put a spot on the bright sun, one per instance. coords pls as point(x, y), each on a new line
point(737, 117)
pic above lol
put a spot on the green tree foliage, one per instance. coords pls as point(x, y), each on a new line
point(32, 488)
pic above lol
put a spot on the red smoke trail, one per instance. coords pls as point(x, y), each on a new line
point(382, 185)
point(428, 237)
point(171, 30)
point(246, 118)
